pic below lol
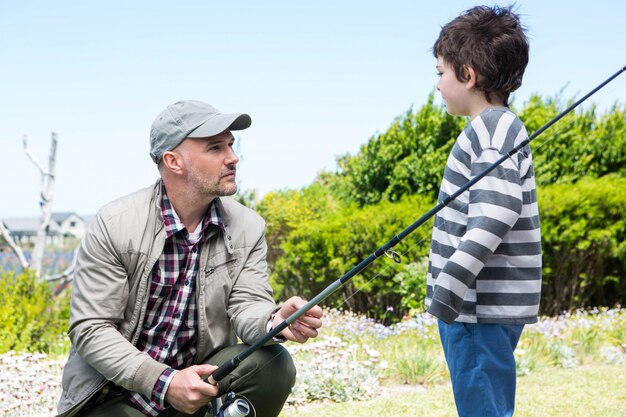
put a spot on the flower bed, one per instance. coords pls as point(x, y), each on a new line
point(354, 356)
point(30, 384)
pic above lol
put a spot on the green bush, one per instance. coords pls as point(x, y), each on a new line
point(320, 251)
point(583, 236)
point(581, 145)
point(411, 286)
point(406, 159)
point(584, 244)
point(31, 319)
point(315, 235)
point(410, 156)
point(286, 210)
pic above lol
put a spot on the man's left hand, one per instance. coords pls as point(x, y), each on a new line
point(305, 326)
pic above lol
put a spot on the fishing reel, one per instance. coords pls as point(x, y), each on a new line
point(228, 407)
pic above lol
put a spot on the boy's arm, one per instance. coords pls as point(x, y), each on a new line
point(495, 204)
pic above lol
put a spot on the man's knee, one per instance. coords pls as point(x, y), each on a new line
point(269, 366)
point(276, 362)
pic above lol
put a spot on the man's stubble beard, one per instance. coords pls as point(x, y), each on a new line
point(211, 187)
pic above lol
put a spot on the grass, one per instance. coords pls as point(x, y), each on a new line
point(570, 365)
point(554, 392)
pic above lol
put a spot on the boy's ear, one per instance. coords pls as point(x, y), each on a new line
point(471, 77)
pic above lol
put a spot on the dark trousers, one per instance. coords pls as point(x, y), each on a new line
point(264, 379)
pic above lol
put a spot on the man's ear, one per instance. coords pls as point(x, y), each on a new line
point(471, 77)
point(172, 161)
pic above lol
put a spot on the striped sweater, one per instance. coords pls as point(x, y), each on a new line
point(485, 258)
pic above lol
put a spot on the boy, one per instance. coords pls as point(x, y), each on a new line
point(484, 275)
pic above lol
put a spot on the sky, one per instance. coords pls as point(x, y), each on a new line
point(318, 79)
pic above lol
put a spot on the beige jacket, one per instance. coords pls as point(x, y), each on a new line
point(110, 293)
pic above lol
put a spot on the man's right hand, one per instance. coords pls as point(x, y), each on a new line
point(188, 392)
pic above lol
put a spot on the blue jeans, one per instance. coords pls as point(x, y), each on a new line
point(482, 367)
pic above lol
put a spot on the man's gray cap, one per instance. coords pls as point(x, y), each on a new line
point(190, 119)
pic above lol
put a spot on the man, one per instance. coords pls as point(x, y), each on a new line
point(169, 277)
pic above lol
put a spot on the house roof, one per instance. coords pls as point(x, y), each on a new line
point(60, 217)
point(28, 225)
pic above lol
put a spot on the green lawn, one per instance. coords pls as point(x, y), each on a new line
point(598, 391)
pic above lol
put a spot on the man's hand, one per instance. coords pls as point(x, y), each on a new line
point(303, 328)
point(187, 391)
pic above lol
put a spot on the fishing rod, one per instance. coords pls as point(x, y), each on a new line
point(237, 408)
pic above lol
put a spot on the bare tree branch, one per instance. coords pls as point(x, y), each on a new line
point(16, 249)
point(32, 156)
point(46, 191)
point(64, 277)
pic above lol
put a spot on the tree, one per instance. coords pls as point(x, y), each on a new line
point(46, 194)
point(287, 210)
point(318, 233)
point(319, 250)
point(582, 145)
point(406, 159)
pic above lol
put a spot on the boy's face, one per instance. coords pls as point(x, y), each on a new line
point(455, 93)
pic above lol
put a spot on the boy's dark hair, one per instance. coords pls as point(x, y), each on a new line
point(492, 41)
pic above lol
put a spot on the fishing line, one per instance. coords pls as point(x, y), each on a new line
point(392, 254)
point(396, 257)
point(231, 364)
point(413, 244)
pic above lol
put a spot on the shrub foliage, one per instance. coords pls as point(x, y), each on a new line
point(320, 251)
point(406, 159)
point(319, 233)
point(30, 318)
point(584, 243)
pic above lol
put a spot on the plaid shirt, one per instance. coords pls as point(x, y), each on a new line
point(169, 331)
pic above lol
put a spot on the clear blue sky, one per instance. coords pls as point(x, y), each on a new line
point(318, 79)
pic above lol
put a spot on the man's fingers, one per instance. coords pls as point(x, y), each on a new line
point(204, 370)
point(305, 326)
point(304, 329)
point(295, 303)
point(300, 332)
point(188, 391)
point(315, 311)
point(297, 336)
point(310, 321)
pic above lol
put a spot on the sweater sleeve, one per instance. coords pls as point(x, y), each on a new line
point(495, 204)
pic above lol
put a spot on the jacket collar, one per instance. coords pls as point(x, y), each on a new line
point(224, 214)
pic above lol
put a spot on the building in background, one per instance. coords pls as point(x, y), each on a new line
point(63, 227)
point(70, 224)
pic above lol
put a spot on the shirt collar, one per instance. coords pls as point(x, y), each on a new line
point(173, 224)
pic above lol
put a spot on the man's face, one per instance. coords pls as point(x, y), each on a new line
point(210, 164)
point(454, 92)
